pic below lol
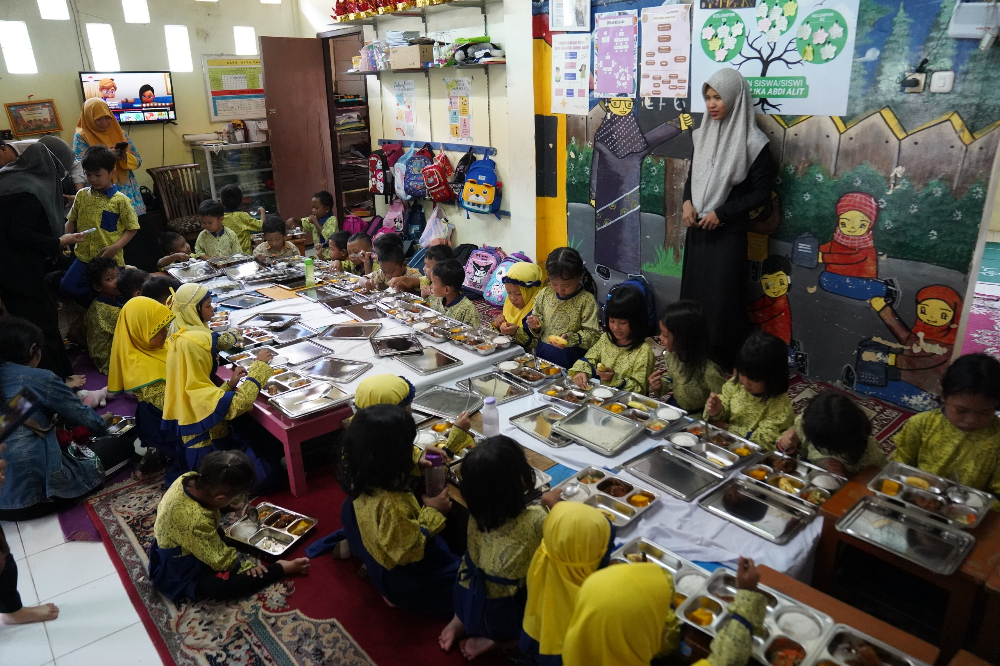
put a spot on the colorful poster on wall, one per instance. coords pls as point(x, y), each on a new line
point(459, 109)
point(569, 16)
point(796, 55)
point(666, 51)
point(235, 87)
point(406, 118)
point(571, 74)
point(616, 40)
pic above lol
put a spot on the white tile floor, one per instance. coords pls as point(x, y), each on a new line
point(97, 623)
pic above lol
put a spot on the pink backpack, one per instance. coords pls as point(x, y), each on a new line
point(395, 217)
point(354, 224)
point(481, 265)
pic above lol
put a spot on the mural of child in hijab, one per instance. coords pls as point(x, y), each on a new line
point(850, 257)
point(620, 146)
point(909, 373)
point(772, 311)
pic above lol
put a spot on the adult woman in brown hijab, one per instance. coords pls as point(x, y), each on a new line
point(98, 127)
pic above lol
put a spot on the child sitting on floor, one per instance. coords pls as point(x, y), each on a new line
point(239, 221)
point(754, 404)
point(563, 324)
point(620, 358)
point(962, 439)
point(408, 562)
point(523, 281)
point(392, 264)
point(340, 258)
point(130, 282)
point(188, 558)
point(215, 240)
point(274, 247)
point(422, 284)
point(446, 285)
point(176, 248)
point(320, 225)
point(687, 373)
point(102, 315)
point(504, 533)
point(159, 287)
point(360, 248)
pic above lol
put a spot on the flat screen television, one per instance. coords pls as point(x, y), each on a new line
point(133, 97)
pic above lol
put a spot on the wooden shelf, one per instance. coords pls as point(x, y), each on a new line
point(421, 12)
point(379, 72)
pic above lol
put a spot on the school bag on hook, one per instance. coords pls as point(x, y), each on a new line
point(413, 178)
point(436, 177)
point(482, 189)
point(399, 175)
point(462, 173)
point(482, 263)
point(495, 292)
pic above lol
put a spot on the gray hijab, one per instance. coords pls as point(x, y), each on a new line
point(724, 149)
point(38, 172)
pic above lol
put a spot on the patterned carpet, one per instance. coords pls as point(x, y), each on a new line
point(982, 333)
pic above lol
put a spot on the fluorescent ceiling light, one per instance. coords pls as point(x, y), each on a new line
point(178, 48)
point(16, 48)
point(102, 47)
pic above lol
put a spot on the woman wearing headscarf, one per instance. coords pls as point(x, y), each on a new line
point(522, 281)
point(731, 176)
point(31, 234)
point(576, 541)
point(98, 127)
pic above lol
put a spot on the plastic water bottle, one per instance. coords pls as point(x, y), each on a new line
point(310, 276)
point(491, 417)
point(435, 475)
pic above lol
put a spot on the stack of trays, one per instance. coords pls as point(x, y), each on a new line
point(620, 500)
point(715, 445)
point(278, 531)
point(795, 478)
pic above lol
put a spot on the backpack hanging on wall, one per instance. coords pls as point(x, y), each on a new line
point(482, 189)
point(413, 183)
point(375, 225)
point(482, 263)
point(416, 222)
point(354, 224)
point(399, 174)
point(436, 177)
point(495, 293)
point(379, 174)
point(395, 217)
point(462, 173)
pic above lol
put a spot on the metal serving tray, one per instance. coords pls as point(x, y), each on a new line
point(549, 371)
point(678, 475)
point(244, 301)
point(248, 355)
point(958, 505)
point(687, 575)
point(839, 647)
point(429, 361)
point(608, 493)
point(362, 331)
point(294, 333)
point(266, 536)
point(717, 446)
point(360, 311)
point(538, 423)
point(759, 510)
point(394, 345)
point(244, 271)
point(645, 410)
point(222, 262)
point(256, 338)
point(274, 321)
point(283, 383)
point(194, 271)
point(447, 403)
point(303, 352)
point(496, 385)
point(795, 478)
point(599, 430)
point(120, 425)
point(337, 370)
point(316, 397)
point(565, 393)
point(909, 533)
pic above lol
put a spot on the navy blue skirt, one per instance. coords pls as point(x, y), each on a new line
point(173, 574)
point(498, 619)
point(563, 356)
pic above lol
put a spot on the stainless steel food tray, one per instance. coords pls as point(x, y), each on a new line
point(759, 510)
point(257, 534)
point(362, 331)
point(316, 397)
point(948, 493)
point(909, 533)
point(538, 423)
point(284, 382)
point(642, 549)
point(549, 371)
point(808, 479)
point(496, 385)
point(244, 271)
point(360, 311)
point(395, 345)
point(567, 394)
point(678, 475)
point(244, 301)
point(838, 645)
point(195, 271)
point(446, 403)
point(222, 262)
point(303, 352)
point(599, 430)
point(645, 410)
point(429, 361)
point(619, 509)
point(121, 425)
point(338, 370)
point(294, 333)
point(718, 446)
point(275, 321)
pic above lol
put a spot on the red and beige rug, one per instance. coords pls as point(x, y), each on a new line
point(982, 332)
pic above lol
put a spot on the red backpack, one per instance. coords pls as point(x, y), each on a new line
point(380, 163)
point(436, 176)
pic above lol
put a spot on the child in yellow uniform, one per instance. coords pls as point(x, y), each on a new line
point(339, 256)
point(176, 249)
point(320, 225)
point(754, 404)
point(446, 287)
point(274, 247)
point(239, 221)
point(215, 239)
point(422, 285)
point(523, 281)
point(563, 324)
point(687, 373)
point(102, 315)
point(359, 248)
point(392, 265)
point(962, 438)
point(621, 358)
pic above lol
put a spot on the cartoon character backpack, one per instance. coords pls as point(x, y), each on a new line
point(413, 178)
point(481, 265)
point(462, 173)
point(436, 177)
point(399, 175)
point(482, 189)
point(395, 217)
point(379, 174)
point(495, 293)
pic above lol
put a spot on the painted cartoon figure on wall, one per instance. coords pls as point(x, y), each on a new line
point(620, 146)
point(772, 311)
point(909, 372)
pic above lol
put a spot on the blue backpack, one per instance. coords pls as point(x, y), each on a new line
point(636, 282)
point(495, 293)
point(415, 223)
point(414, 185)
point(481, 193)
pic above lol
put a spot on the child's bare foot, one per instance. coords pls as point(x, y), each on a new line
point(450, 634)
point(29, 614)
point(296, 566)
point(473, 647)
point(76, 381)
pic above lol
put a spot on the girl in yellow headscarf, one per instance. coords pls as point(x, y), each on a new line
point(192, 305)
point(623, 617)
point(522, 281)
point(97, 126)
point(576, 541)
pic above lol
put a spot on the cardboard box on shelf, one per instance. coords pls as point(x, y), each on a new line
point(411, 57)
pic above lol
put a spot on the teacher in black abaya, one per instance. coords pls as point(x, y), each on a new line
point(731, 175)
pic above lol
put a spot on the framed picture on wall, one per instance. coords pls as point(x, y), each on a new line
point(569, 15)
point(37, 117)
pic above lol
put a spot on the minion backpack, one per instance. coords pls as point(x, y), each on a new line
point(481, 193)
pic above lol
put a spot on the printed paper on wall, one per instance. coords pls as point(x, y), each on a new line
point(406, 120)
point(665, 51)
point(571, 74)
point(616, 38)
point(459, 109)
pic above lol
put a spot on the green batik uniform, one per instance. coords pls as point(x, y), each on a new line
point(689, 394)
point(632, 367)
point(243, 224)
point(759, 420)
point(461, 310)
point(872, 457)
point(575, 316)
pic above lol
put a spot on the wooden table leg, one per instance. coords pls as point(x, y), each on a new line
point(826, 557)
point(957, 617)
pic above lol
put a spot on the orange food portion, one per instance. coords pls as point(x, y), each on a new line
point(890, 487)
point(679, 599)
point(616, 408)
point(742, 452)
point(441, 427)
point(702, 617)
point(759, 474)
point(639, 499)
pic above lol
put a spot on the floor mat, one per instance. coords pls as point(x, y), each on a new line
point(982, 332)
point(989, 270)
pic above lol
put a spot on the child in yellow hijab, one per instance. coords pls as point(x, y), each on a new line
point(192, 305)
point(623, 617)
point(522, 281)
point(576, 541)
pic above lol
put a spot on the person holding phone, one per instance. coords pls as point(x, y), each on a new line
point(98, 127)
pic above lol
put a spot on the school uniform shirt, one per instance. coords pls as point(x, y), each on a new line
point(632, 367)
point(225, 244)
point(101, 320)
point(243, 224)
point(242, 402)
point(929, 441)
point(576, 316)
point(760, 421)
point(461, 310)
point(382, 282)
point(394, 527)
point(873, 456)
point(321, 234)
point(689, 394)
point(505, 552)
point(110, 213)
point(458, 440)
point(289, 251)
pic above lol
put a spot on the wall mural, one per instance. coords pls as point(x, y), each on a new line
point(862, 263)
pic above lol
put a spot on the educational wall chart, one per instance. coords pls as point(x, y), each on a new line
point(571, 73)
point(459, 109)
point(797, 56)
point(665, 49)
point(616, 40)
point(406, 120)
point(235, 87)
point(569, 15)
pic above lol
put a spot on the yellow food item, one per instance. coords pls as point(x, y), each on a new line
point(679, 599)
point(557, 340)
point(552, 392)
point(441, 427)
point(299, 528)
point(602, 368)
point(890, 487)
point(787, 485)
point(702, 617)
point(759, 474)
point(616, 408)
point(639, 500)
point(634, 557)
point(917, 482)
point(742, 452)
point(607, 514)
point(638, 405)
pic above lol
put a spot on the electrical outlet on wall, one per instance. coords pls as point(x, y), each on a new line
point(914, 82)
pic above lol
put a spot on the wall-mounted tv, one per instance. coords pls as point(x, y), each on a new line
point(133, 97)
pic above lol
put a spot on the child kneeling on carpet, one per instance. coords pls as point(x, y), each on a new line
point(188, 558)
point(503, 535)
point(408, 563)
